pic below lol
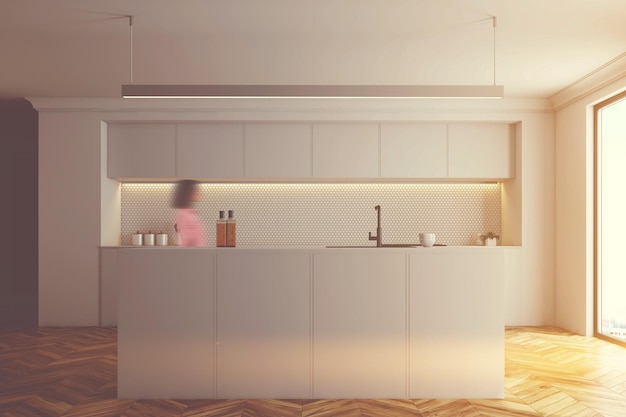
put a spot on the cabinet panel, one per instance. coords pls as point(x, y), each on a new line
point(480, 151)
point(263, 322)
point(141, 150)
point(165, 324)
point(278, 150)
point(413, 151)
point(108, 286)
point(345, 150)
point(209, 150)
point(456, 324)
point(516, 296)
point(359, 325)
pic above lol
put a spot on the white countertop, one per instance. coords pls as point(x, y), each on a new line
point(305, 248)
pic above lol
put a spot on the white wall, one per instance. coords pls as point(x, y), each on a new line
point(75, 200)
point(574, 210)
point(538, 239)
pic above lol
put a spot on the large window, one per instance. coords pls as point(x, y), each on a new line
point(611, 218)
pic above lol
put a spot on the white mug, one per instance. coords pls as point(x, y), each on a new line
point(427, 239)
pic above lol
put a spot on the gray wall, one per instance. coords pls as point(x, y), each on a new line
point(18, 214)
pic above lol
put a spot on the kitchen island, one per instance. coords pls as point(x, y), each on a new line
point(310, 322)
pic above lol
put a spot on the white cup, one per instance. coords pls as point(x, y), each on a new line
point(427, 239)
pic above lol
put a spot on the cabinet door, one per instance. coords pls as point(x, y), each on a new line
point(457, 323)
point(108, 286)
point(345, 151)
point(480, 151)
point(209, 150)
point(263, 325)
point(516, 289)
point(165, 324)
point(413, 151)
point(359, 325)
point(141, 150)
point(278, 150)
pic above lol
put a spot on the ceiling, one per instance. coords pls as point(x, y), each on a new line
point(81, 48)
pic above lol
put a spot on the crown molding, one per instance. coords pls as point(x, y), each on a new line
point(608, 73)
point(288, 105)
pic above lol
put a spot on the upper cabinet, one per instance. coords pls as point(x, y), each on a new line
point(141, 150)
point(311, 151)
point(278, 150)
point(413, 151)
point(209, 150)
point(480, 151)
point(345, 150)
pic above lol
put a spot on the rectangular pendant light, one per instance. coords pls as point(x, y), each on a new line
point(312, 91)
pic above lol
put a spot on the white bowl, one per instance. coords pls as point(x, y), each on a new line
point(427, 239)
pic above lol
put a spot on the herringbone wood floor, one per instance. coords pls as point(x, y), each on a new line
point(72, 372)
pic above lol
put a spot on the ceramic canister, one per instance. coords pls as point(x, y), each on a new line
point(161, 239)
point(148, 239)
point(137, 239)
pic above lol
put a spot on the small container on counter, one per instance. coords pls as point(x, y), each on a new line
point(490, 239)
point(137, 239)
point(148, 239)
point(220, 230)
point(231, 230)
point(161, 239)
point(427, 239)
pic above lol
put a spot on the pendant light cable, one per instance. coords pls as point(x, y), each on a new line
point(311, 91)
point(130, 24)
point(494, 48)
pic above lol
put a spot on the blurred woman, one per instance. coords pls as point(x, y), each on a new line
point(190, 230)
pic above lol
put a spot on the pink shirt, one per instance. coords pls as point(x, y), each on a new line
point(190, 230)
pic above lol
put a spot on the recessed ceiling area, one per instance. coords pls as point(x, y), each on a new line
point(81, 48)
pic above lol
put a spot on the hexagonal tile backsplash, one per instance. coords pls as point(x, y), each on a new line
point(323, 214)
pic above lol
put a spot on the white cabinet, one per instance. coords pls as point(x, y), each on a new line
point(359, 325)
point(347, 150)
point(108, 286)
point(516, 294)
point(413, 150)
point(209, 150)
point(322, 323)
point(278, 150)
point(481, 151)
point(141, 150)
point(301, 150)
point(456, 323)
point(263, 322)
point(166, 324)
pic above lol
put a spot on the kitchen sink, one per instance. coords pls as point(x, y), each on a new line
point(378, 238)
point(384, 245)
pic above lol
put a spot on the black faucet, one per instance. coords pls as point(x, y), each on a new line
point(378, 238)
